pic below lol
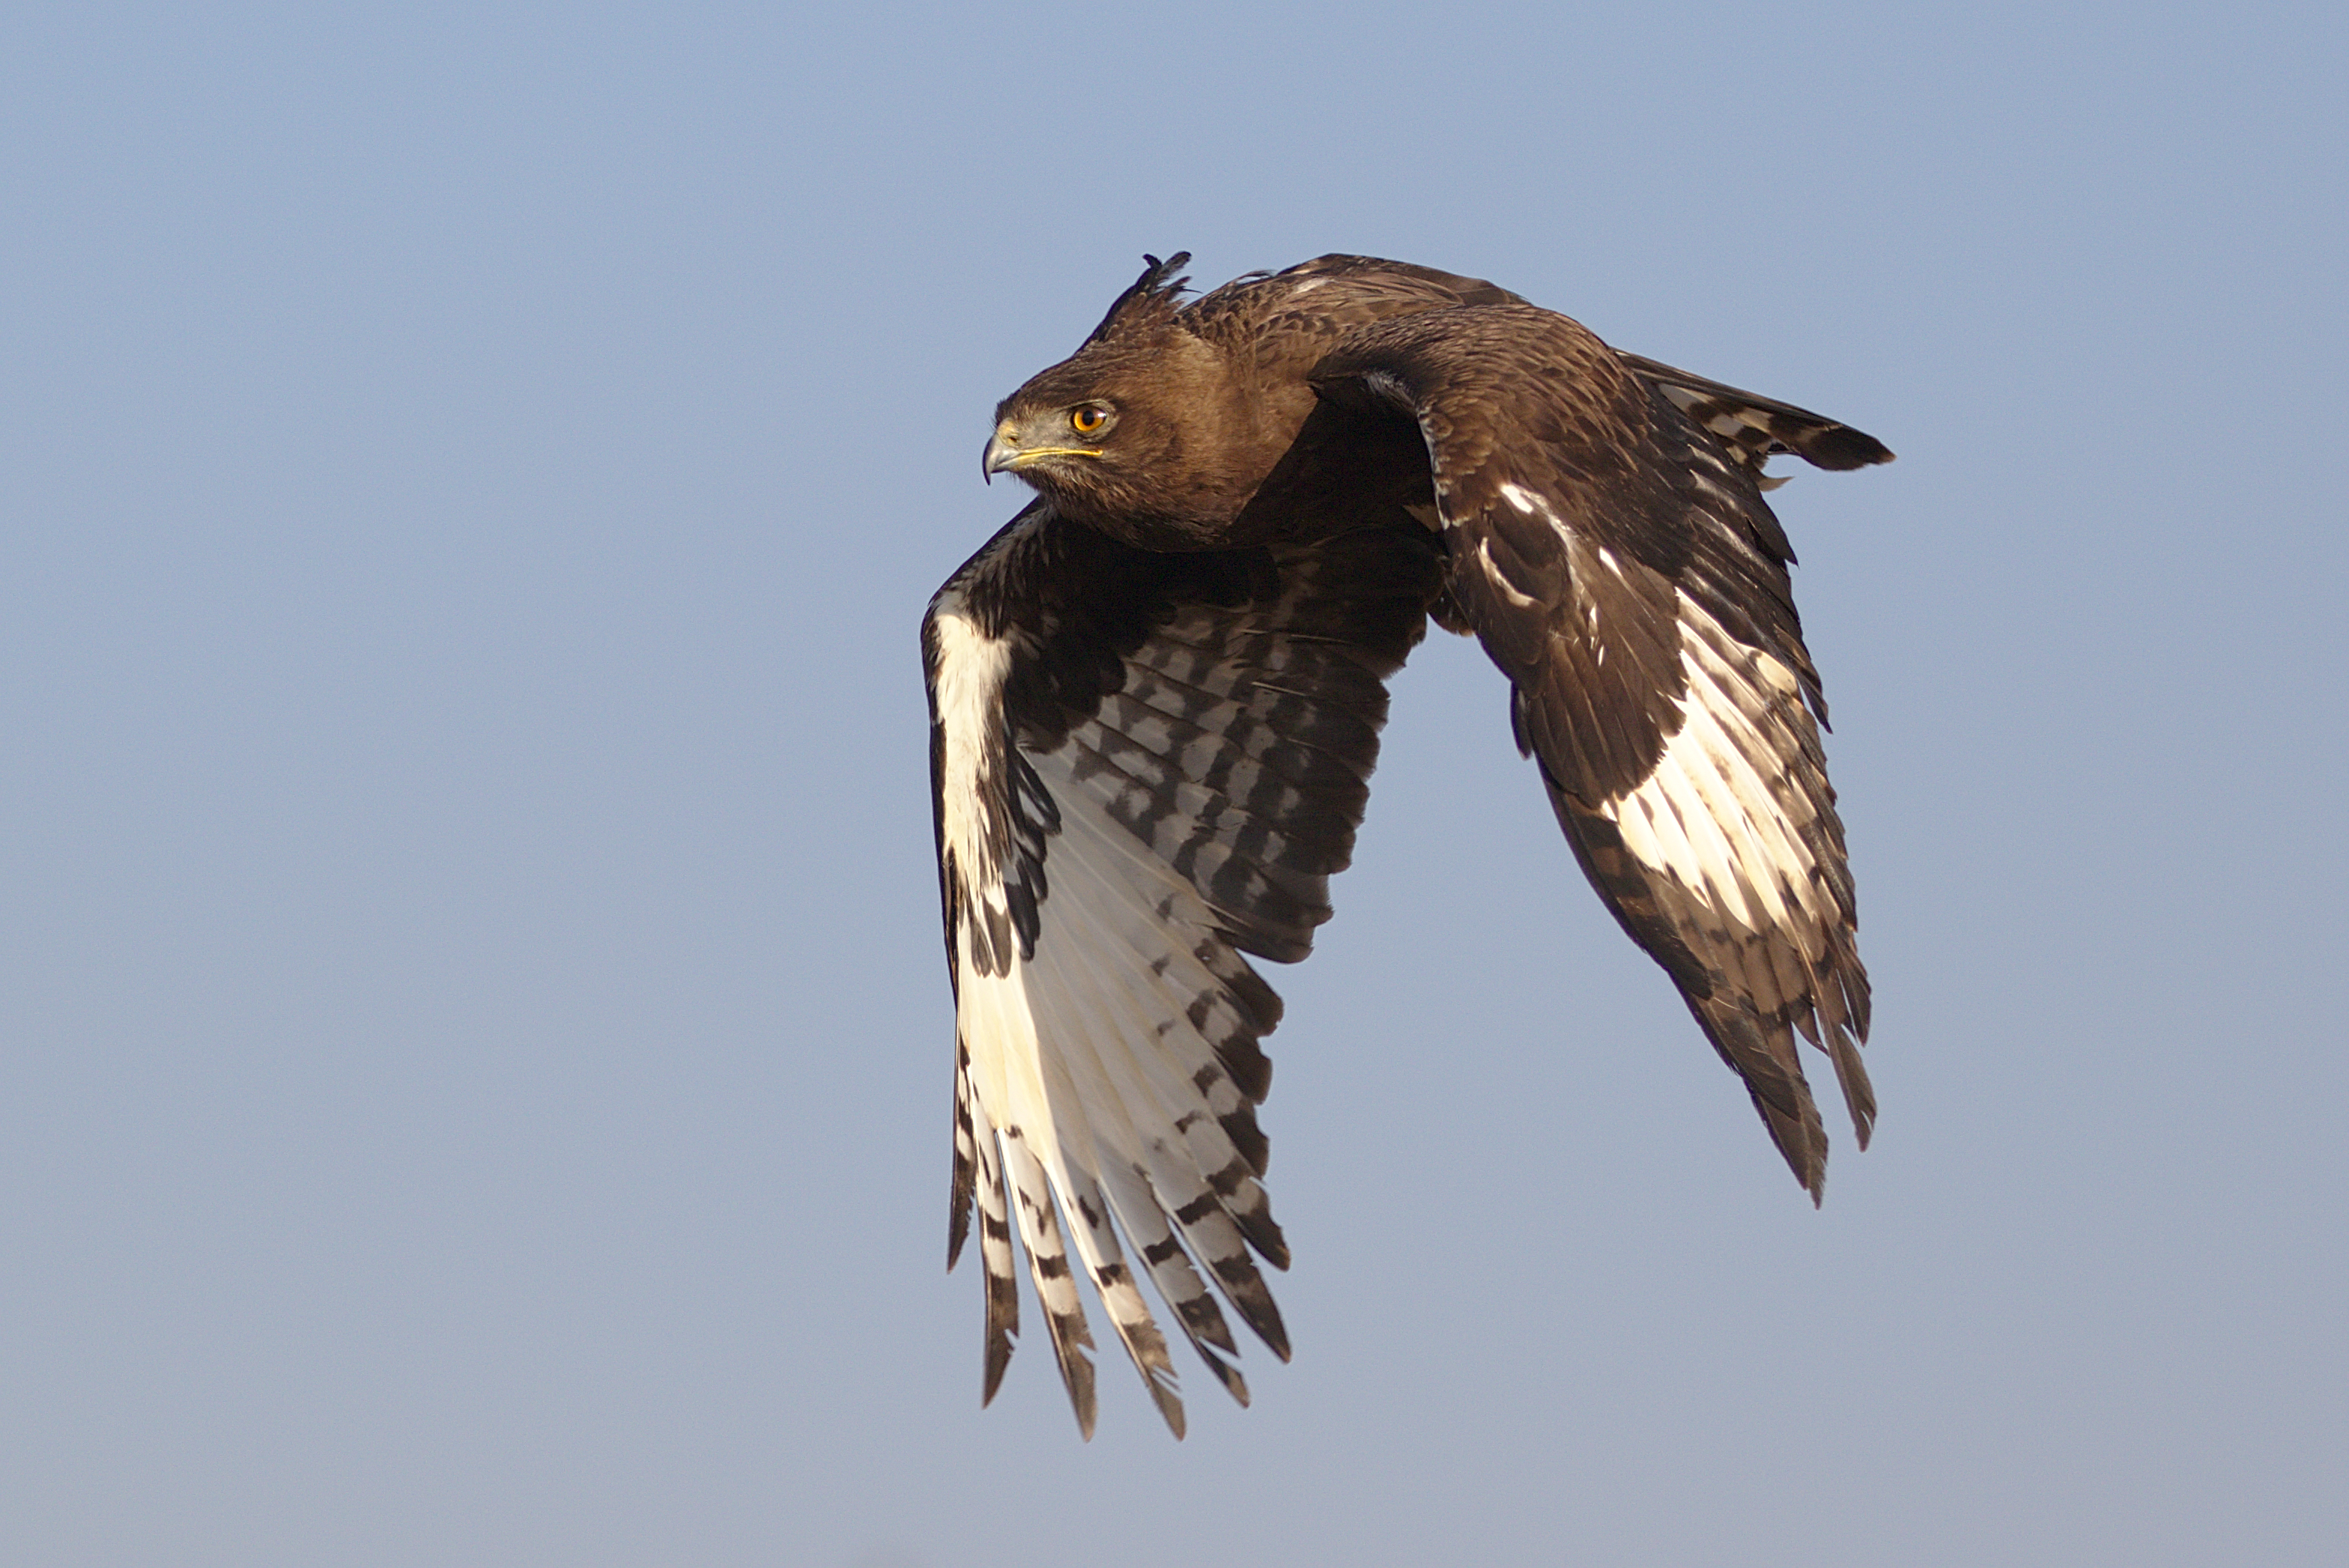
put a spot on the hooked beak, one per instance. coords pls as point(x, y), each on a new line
point(1007, 454)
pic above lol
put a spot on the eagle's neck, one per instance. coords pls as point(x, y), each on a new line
point(1212, 426)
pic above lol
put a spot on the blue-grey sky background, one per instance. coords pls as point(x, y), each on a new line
point(473, 1037)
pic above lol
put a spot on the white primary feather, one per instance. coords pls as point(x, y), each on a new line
point(1087, 1061)
point(1721, 811)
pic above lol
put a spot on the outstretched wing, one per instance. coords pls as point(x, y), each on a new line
point(1612, 550)
point(1145, 768)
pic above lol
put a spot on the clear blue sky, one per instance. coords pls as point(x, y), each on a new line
point(473, 1040)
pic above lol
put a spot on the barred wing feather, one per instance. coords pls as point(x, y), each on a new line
point(1145, 769)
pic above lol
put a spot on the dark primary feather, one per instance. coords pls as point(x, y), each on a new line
point(1755, 427)
point(1157, 696)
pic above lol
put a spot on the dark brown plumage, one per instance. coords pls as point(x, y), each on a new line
point(1157, 696)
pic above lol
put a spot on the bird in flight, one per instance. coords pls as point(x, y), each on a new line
point(1155, 698)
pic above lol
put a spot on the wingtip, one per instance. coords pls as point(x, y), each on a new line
point(1226, 1374)
point(1839, 447)
point(1170, 1408)
point(1264, 1235)
point(1863, 1115)
point(997, 1361)
point(1810, 1166)
point(1803, 1146)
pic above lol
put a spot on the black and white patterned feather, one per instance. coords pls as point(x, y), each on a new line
point(1147, 768)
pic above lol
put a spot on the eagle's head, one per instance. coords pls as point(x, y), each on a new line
point(1138, 433)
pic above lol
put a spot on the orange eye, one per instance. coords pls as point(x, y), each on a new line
point(1088, 417)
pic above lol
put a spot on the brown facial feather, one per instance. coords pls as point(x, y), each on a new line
point(1211, 401)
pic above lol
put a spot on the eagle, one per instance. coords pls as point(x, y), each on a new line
point(1155, 698)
